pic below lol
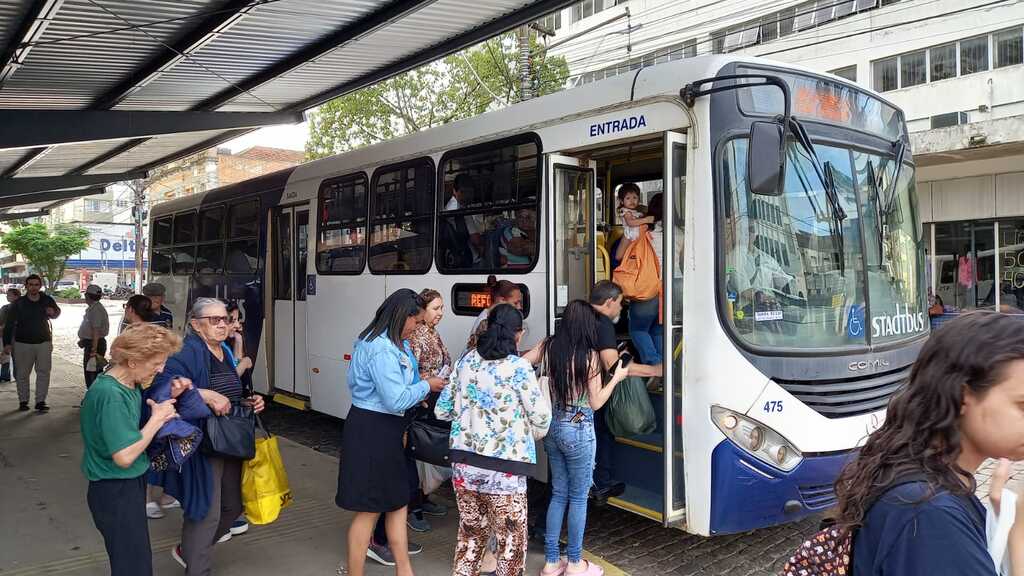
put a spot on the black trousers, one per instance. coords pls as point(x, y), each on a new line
point(119, 511)
point(101, 349)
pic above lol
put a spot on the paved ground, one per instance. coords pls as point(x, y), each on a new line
point(48, 529)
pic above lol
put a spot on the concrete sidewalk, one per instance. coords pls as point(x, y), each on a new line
point(47, 527)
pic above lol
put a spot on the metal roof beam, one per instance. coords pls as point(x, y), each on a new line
point(493, 28)
point(14, 201)
point(8, 216)
point(30, 128)
point(191, 42)
point(32, 27)
point(355, 31)
point(22, 186)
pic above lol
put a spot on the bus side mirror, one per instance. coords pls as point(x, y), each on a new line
point(766, 160)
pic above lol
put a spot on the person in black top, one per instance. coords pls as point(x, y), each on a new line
point(28, 326)
point(606, 299)
point(908, 497)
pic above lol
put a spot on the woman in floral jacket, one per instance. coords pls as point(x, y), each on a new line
point(497, 409)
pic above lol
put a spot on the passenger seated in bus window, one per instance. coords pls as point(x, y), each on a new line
point(463, 194)
point(518, 241)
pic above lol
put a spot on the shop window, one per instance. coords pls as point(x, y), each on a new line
point(341, 240)
point(973, 55)
point(912, 69)
point(943, 62)
point(1009, 49)
point(402, 218)
point(886, 74)
point(1011, 265)
point(489, 207)
point(964, 251)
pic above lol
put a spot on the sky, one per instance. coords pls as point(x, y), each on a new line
point(291, 137)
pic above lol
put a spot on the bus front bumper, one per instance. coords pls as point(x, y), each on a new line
point(747, 494)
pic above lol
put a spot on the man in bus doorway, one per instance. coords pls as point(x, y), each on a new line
point(27, 330)
point(606, 299)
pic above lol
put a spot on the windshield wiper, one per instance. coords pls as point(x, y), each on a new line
point(827, 177)
point(899, 151)
point(880, 213)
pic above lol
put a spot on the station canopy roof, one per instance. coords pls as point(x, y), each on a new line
point(99, 91)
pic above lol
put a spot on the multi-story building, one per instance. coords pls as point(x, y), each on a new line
point(955, 67)
point(214, 168)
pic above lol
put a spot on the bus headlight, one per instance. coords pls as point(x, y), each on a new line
point(757, 439)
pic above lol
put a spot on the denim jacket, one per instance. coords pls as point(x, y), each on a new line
point(383, 378)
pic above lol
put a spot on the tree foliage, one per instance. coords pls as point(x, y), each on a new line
point(471, 82)
point(47, 250)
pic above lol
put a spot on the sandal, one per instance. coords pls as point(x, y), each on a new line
point(592, 570)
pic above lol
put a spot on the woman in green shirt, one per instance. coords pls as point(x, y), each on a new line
point(114, 459)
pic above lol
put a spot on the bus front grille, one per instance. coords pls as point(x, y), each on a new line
point(849, 396)
point(818, 497)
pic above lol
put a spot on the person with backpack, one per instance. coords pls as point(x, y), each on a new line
point(639, 275)
point(906, 504)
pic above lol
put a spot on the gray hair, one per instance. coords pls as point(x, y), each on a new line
point(199, 308)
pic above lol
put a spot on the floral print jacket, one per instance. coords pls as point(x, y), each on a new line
point(494, 407)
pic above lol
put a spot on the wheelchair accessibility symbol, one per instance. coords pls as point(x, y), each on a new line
point(855, 322)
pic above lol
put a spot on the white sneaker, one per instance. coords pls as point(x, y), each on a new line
point(225, 537)
point(174, 504)
point(154, 511)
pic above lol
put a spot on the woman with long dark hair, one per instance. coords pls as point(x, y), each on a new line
point(497, 409)
point(908, 498)
point(373, 476)
point(575, 375)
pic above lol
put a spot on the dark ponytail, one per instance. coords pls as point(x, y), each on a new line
point(499, 340)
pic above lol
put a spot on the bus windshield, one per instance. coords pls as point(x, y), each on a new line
point(801, 274)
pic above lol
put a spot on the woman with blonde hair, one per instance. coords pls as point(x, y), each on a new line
point(114, 459)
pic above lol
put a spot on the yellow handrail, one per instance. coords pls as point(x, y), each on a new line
point(606, 259)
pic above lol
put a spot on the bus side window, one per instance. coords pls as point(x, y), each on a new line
point(242, 250)
point(489, 205)
point(402, 218)
point(341, 235)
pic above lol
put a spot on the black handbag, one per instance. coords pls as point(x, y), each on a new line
point(428, 440)
point(232, 435)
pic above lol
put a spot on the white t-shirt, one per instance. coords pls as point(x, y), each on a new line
point(472, 222)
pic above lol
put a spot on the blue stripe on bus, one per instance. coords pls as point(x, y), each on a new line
point(747, 494)
point(127, 264)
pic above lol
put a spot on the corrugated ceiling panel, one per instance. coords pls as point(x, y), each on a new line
point(9, 157)
point(62, 159)
point(153, 149)
point(81, 55)
point(265, 36)
point(12, 13)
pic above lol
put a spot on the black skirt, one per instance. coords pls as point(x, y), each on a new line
point(372, 472)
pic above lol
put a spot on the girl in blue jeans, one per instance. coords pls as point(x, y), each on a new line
point(575, 377)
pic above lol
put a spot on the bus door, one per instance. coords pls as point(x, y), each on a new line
point(570, 217)
point(290, 249)
point(674, 496)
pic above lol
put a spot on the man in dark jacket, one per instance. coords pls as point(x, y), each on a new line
point(27, 329)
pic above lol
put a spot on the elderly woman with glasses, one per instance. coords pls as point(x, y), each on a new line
point(209, 487)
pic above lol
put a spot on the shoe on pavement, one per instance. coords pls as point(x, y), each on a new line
point(22, 406)
point(240, 526)
point(176, 554)
point(154, 511)
point(612, 490)
point(42, 408)
point(431, 509)
point(225, 537)
point(380, 554)
point(417, 523)
point(415, 548)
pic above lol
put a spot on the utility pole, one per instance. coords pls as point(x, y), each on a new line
point(138, 215)
point(525, 76)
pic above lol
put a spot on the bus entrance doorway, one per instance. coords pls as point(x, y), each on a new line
point(586, 243)
point(289, 255)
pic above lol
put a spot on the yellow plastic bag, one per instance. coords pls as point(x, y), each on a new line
point(265, 490)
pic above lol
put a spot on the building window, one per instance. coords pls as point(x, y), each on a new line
point(886, 74)
point(402, 218)
point(973, 55)
point(690, 48)
point(950, 119)
point(1008, 48)
point(848, 72)
point(489, 208)
point(588, 8)
point(912, 69)
point(943, 62)
point(552, 21)
point(341, 244)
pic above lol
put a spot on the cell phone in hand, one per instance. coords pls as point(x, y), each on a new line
point(624, 359)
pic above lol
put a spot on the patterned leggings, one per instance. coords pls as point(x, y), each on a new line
point(480, 515)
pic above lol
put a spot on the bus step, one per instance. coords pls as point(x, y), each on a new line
point(295, 402)
point(639, 501)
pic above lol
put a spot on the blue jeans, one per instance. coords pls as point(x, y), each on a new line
point(646, 330)
point(570, 447)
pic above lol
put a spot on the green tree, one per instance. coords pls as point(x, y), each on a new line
point(46, 250)
point(481, 78)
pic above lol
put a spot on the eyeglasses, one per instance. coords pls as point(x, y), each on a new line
point(215, 320)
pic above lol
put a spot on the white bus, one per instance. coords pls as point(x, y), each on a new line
point(794, 292)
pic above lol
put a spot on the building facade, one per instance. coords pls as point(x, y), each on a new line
point(955, 67)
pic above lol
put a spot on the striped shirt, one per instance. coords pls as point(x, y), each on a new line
point(224, 379)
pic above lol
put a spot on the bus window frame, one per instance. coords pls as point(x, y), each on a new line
point(175, 246)
point(170, 227)
point(431, 217)
point(320, 224)
point(516, 140)
point(200, 243)
point(227, 232)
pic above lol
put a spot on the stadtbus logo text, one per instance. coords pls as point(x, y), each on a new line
point(902, 322)
point(613, 126)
